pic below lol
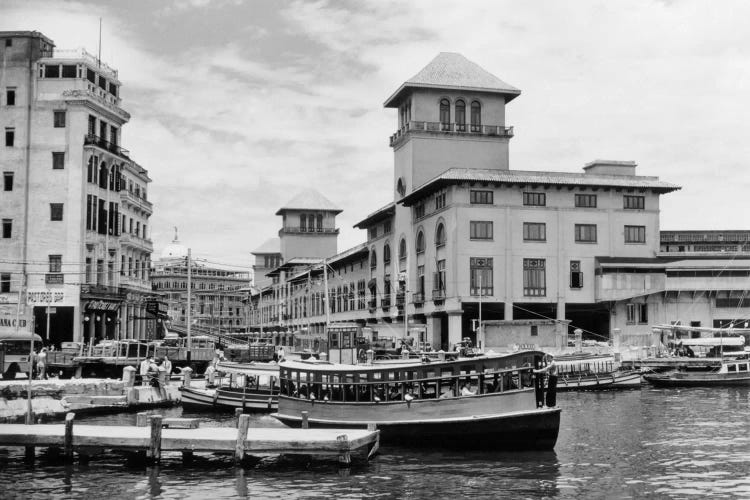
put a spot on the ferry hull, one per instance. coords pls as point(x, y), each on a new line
point(600, 381)
point(697, 380)
point(212, 399)
point(467, 422)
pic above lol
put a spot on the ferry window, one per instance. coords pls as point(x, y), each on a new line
point(346, 340)
point(743, 367)
point(732, 368)
point(334, 339)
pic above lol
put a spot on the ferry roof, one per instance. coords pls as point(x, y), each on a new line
point(523, 177)
point(328, 367)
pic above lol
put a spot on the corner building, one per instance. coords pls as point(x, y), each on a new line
point(74, 204)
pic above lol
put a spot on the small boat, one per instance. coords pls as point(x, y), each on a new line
point(489, 401)
point(628, 379)
point(731, 373)
point(250, 386)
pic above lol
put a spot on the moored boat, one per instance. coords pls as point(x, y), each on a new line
point(489, 401)
point(250, 386)
point(628, 379)
point(734, 372)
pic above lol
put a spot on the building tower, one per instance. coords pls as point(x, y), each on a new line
point(308, 226)
point(74, 207)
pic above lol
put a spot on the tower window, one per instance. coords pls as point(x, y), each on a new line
point(10, 137)
point(402, 250)
point(7, 228)
point(420, 242)
point(7, 181)
point(445, 114)
point(440, 236)
point(10, 97)
point(460, 116)
point(476, 116)
point(387, 254)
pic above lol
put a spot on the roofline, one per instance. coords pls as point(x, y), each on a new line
point(437, 182)
point(336, 211)
point(389, 103)
point(377, 215)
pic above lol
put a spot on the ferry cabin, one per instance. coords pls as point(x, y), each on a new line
point(475, 402)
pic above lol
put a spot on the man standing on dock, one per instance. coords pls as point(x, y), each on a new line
point(551, 370)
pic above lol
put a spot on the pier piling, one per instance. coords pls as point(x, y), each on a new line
point(305, 423)
point(237, 415)
point(345, 457)
point(239, 449)
point(154, 450)
point(68, 439)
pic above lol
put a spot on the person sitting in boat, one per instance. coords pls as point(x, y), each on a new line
point(551, 370)
point(143, 371)
point(466, 391)
point(447, 394)
point(394, 394)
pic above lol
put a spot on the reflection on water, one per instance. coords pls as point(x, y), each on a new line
point(664, 443)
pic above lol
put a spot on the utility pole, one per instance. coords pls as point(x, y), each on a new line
point(325, 284)
point(480, 337)
point(189, 297)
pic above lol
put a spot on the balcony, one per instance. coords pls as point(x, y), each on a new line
point(142, 203)
point(418, 298)
point(133, 241)
point(95, 140)
point(438, 295)
point(452, 128)
point(385, 304)
point(308, 230)
point(372, 305)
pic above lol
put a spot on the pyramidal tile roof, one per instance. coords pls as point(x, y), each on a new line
point(309, 199)
point(271, 245)
point(450, 70)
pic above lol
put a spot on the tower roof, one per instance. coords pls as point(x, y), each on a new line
point(450, 70)
point(309, 199)
point(271, 245)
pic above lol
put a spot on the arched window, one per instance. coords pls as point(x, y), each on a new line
point(320, 223)
point(440, 235)
point(302, 222)
point(445, 114)
point(476, 116)
point(402, 250)
point(420, 242)
point(387, 254)
point(460, 116)
point(103, 175)
point(373, 260)
point(311, 223)
point(90, 172)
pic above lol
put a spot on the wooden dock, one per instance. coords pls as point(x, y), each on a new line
point(184, 436)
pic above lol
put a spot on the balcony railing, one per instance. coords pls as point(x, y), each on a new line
point(458, 128)
point(137, 242)
point(95, 140)
point(142, 203)
point(417, 298)
point(91, 289)
point(305, 229)
point(438, 294)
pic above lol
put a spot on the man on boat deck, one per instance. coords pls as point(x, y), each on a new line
point(551, 370)
point(143, 371)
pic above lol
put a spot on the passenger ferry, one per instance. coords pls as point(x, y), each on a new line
point(488, 401)
point(250, 386)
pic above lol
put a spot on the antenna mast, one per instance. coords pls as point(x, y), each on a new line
point(99, 57)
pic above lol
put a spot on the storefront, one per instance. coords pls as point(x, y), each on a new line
point(100, 318)
point(53, 313)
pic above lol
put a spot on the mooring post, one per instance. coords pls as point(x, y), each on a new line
point(68, 440)
point(305, 423)
point(345, 457)
point(154, 450)
point(187, 376)
point(141, 419)
point(237, 415)
point(239, 449)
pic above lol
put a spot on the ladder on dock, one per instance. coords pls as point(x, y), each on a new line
point(179, 435)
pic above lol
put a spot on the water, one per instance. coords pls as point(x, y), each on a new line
point(652, 443)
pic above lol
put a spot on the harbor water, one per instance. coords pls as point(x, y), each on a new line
point(649, 443)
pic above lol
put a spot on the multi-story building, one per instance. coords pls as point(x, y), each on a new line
point(74, 207)
point(466, 233)
point(218, 298)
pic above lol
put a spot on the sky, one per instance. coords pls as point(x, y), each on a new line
point(238, 106)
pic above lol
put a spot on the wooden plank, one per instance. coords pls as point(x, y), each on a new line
point(68, 439)
point(242, 427)
point(181, 423)
point(141, 419)
point(154, 449)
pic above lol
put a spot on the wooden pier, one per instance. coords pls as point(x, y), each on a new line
point(162, 435)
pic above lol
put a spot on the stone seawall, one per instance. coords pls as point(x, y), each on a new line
point(53, 398)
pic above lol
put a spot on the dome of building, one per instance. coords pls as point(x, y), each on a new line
point(174, 250)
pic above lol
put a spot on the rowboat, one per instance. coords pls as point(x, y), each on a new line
point(629, 379)
point(250, 386)
point(734, 372)
point(489, 401)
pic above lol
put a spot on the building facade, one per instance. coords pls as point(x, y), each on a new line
point(71, 193)
point(218, 295)
point(468, 238)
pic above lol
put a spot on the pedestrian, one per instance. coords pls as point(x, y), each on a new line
point(41, 364)
point(167, 368)
point(551, 370)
